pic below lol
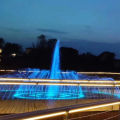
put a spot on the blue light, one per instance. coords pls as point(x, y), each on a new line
point(54, 90)
point(55, 63)
point(51, 92)
point(44, 95)
point(42, 92)
point(107, 93)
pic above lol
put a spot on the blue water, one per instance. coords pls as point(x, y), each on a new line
point(50, 92)
point(55, 63)
point(63, 92)
point(54, 90)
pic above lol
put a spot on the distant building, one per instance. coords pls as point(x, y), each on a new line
point(29, 50)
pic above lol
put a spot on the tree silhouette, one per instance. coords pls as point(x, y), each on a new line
point(10, 48)
point(41, 43)
point(51, 43)
point(2, 42)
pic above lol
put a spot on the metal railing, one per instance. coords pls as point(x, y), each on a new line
point(112, 73)
point(66, 112)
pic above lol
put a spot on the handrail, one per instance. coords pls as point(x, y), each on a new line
point(57, 83)
point(62, 110)
point(58, 80)
point(114, 73)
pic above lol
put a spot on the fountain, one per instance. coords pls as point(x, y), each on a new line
point(54, 91)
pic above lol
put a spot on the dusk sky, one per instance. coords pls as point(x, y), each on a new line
point(87, 25)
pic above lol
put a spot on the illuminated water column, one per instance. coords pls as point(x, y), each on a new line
point(55, 63)
point(54, 90)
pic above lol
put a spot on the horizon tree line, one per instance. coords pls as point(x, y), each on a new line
point(42, 43)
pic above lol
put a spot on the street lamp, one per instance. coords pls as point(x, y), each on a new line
point(0, 50)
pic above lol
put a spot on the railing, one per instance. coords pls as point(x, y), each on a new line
point(65, 113)
point(74, 112)
point(92, 89)
point(113, 73)
point(61, 81)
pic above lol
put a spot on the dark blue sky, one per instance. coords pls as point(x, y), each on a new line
point(87, 25)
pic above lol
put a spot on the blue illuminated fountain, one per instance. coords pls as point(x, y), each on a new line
point(53, 91)
point(55, 63)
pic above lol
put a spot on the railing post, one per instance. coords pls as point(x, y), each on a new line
point(113, 90)
point(66, 115)
point(77, 94)
point(119, 113)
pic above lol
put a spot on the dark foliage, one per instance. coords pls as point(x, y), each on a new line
point(2, 42)
point(10, 48)
point(40, 56)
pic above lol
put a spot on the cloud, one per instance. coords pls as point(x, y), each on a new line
point(52, 31)
point(105, 41)
point(87, 29)
point(15, 30)
point(87, 26)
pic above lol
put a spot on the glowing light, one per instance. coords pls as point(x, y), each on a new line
point(54, 70)
point(0, 50)
point(96, 85)
point(48, 80)
point(98, 73)
point(57, 84)
point(13, 54)
point(46, 116)
point(97, 106)
point(74, 80)
point(2, 70)
point(117, 85)
point(44, 95)
point(18, 79)
point(55, 63)
point(57, 80)
point(17, 83)
point(11, 70)
point(98, 81)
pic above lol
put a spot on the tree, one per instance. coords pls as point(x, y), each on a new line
point(69, 57)
point(41, 43)
point(10, 48)
point(51, 43)
point(33, 45)
point(107, 56)
point(2, 42)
